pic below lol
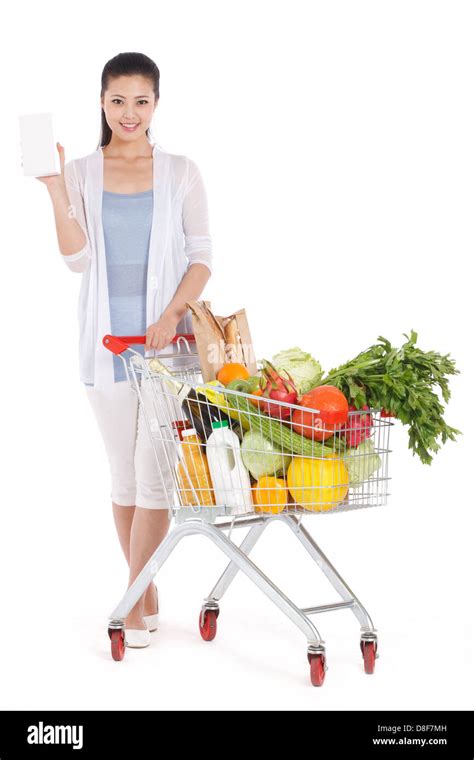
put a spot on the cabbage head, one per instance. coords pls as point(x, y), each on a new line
point(260, 456)
point(305, 371)
point(362, 462)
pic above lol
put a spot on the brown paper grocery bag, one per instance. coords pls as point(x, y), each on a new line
point(220, 340)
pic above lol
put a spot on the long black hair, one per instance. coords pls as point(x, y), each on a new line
point(126, 64)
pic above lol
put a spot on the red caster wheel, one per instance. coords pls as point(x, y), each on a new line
point(317, 665)
point(208, 624)
point(117, 643)
point(369, 653)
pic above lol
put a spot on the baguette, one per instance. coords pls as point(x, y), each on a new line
point(232, 339)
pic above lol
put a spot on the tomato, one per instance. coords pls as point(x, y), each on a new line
point(331, 413)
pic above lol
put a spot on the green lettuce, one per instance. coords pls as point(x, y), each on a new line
point(260, 456)
point(303, 368)
point(361, 462)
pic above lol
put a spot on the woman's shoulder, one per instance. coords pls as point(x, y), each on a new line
point(179, 160)
point(184, 167)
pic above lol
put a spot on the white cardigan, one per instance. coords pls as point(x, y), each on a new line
point(179, 238)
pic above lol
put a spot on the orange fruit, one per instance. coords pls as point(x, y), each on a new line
point(232, 371)
point(270, 495)
point(255, 401)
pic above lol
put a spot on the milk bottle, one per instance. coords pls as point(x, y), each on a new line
point(229, 475)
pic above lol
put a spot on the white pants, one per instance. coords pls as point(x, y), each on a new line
point(134, 469)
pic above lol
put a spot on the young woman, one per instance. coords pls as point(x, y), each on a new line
point(133, 220)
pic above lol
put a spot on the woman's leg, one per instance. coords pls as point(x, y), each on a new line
point(116, 413)
point(124, 518)
point(149, 528)
point(151, 520)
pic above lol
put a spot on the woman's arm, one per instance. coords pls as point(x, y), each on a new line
point(198, 250)
point(195, 219)
point(69, 216)
point(161, 333)
point(190, 288)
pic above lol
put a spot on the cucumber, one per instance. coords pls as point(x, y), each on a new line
point(279, 435)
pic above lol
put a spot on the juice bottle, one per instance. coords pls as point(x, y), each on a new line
point(193, 472)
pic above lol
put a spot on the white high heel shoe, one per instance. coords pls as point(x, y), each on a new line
point(136, 638)
point(151, 621)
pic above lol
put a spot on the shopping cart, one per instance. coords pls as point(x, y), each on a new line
point(226, 460)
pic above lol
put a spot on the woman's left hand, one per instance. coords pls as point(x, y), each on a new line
point(161, 333)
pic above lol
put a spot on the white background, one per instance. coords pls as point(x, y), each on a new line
point(336, 144)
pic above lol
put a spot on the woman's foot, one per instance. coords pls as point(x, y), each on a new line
point(150, 607)
point(150, 604)
point(150, 615)
point(137, 634)
point(134, 620)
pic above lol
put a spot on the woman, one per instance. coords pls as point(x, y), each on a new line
point(133, 220)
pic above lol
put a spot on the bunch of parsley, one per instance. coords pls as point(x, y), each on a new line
point(402, 381)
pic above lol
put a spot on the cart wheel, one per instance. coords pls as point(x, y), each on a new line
point(369, 653)
point(208, 629)
point(317, 665)
point(117, 643)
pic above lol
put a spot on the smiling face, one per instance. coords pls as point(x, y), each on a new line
point(129, 104)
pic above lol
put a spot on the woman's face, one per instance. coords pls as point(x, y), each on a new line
point(129, 100)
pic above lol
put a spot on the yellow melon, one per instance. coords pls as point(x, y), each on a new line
point(318, 484)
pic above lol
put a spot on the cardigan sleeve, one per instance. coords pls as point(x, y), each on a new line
point(80, 261)
point(195, 217)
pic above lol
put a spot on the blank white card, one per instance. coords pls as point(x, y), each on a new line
point(39, 152)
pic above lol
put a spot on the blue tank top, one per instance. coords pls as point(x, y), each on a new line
point(127, 220)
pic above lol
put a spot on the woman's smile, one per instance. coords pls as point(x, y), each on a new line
point(129, 127)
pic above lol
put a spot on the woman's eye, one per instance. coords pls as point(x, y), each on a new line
point(117, 100)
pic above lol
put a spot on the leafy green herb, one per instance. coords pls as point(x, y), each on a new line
point(402, 381)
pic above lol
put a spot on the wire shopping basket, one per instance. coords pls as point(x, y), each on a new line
point(228, 458)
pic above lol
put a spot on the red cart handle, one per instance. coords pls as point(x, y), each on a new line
point(118, 343)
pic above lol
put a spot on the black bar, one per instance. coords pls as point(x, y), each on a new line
point(443, 734)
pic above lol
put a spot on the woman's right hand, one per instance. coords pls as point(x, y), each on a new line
point(58, 179)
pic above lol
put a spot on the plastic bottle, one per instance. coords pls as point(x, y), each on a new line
point(229, 475)
point(193, 472)
point(196, 407)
